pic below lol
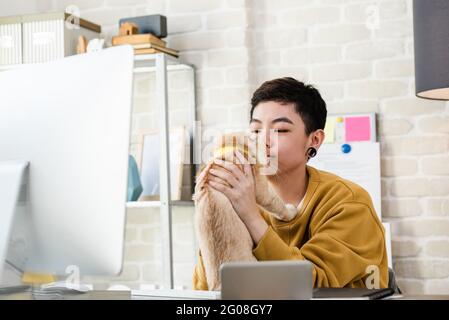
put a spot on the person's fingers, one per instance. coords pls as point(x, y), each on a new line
point(227, 191)
point(238, 174)
point(245, 163)
point(219, 180)
point(248, 171)
point(224, 175)
point(241, 159)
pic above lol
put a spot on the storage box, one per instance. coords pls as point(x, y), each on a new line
point(42, 37)
point(155, 24)
point(10, 41)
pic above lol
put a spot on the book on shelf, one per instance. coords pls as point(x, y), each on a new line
point(148, 48)
point(138, 39)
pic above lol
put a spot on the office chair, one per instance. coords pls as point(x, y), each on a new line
point(392, 281)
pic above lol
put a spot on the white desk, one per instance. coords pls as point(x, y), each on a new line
point(173, 294)
point(161, 294)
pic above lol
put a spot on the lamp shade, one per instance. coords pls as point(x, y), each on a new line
point(431, 40)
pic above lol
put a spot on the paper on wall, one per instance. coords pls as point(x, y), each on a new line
point(329, 130)
point(361, 165)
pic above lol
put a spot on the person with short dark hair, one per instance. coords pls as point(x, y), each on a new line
point(336, 227)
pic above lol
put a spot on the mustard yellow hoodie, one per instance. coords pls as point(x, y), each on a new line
point(336, 229)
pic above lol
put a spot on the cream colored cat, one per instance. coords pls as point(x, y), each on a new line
point(222, 235)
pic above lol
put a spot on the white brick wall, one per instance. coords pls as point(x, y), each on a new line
point(235, 45)
point(143, 264)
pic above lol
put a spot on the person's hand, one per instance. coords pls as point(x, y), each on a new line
point(239, 187)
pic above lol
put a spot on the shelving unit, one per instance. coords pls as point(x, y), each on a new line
point(161, 64)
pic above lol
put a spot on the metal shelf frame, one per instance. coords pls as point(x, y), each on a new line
point(161, 64)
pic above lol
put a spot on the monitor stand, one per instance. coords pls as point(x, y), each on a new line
point(11, 180)
point(15, 229)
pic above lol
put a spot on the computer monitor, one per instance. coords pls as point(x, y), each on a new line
point(65, 126)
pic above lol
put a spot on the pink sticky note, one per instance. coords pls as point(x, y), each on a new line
point(358, 129)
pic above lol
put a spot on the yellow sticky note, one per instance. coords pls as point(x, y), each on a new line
point(329, 130)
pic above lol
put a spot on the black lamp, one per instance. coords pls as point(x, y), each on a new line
point(431, 36)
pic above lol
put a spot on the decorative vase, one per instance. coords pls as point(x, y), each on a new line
point(135, 188)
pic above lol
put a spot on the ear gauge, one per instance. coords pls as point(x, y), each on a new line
point(311, 152)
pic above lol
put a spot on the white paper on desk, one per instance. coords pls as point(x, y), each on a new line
point(361, 165)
